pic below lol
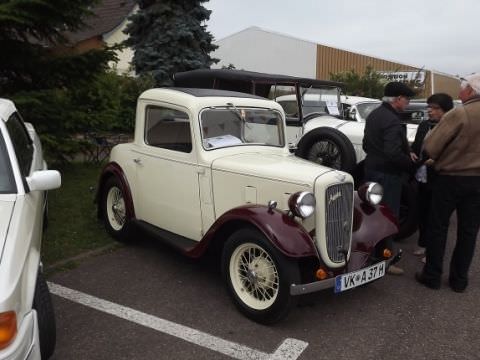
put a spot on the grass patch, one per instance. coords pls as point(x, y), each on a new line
point(73, 227)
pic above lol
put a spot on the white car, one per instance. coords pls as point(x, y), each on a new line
point(357, 108)
point(27, 322)
point(210, 170)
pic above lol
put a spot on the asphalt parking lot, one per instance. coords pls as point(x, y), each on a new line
point(145, 301)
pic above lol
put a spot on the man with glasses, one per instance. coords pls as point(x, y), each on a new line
point(454, 146)
point(388, 153)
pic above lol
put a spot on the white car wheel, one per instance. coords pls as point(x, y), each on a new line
point(116, 212)
point(258, 276)
point(114, 209)
point(254, 276)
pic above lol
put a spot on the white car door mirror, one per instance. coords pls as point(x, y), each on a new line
point(44, 180)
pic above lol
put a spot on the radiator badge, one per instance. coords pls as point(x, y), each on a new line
point(334, 197)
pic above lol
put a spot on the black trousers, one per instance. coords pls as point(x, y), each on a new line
point(424, 201)
point(450, 193)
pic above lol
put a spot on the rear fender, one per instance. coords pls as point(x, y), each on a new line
point(285, 233)
point(109, 170)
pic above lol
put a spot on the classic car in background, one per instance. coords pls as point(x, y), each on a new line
point(357, 108)
point(27, 321)
point(316, 127)
point(210, 170)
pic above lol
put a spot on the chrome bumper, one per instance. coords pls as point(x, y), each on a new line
point(330, 283)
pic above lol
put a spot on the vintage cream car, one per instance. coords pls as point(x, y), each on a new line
point(27, 322)
point(318, 128)
point(211, 170)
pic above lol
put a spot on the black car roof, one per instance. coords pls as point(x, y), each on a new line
point(241, 80)
point(198, 92)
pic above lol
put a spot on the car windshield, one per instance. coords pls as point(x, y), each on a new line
point(365, 109)
point(325, 100)
point(232, 126)
point(7, 182)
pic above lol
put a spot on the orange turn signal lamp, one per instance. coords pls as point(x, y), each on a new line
point(387, 253)
point(8, 328)
point(321, 274)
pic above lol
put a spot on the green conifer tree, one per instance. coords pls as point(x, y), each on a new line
point(170, 36)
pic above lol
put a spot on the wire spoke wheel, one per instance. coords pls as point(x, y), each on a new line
point(327, 153)
point(116, 212)
point(254, 276)
point(258, 276)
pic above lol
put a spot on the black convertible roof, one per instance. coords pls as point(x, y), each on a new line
point(214, 92)
point(244, 81)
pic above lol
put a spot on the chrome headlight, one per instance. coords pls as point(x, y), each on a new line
point(302, 204)
point(371, 192)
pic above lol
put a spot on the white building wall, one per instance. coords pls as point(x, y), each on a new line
point(255, 49)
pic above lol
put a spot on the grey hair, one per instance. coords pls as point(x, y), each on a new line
point(389, 99)
point(473, 81)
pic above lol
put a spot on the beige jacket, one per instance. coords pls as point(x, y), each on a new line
point(454, 143)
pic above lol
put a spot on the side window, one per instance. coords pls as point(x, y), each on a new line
point(167, 128)
point(22, 143)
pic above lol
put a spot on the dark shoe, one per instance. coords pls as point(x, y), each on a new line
point(428, 282)
point(457, 286)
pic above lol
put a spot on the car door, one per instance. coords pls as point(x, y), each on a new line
point(167, 186)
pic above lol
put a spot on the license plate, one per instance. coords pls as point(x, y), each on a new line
point(356, 278)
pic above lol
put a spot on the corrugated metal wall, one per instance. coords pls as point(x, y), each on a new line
point(446, 84)
point(331, 60)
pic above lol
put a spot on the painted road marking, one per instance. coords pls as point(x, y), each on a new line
point(288, 349)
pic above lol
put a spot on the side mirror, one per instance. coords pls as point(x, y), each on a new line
point(44, 180)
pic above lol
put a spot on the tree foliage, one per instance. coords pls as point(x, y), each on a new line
point(50, 84)
point(369, 84)
point(168, 36)
point(31, 32)
point(64, 116)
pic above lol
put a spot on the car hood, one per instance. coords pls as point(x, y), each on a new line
point(6, 210)
point(285, 168)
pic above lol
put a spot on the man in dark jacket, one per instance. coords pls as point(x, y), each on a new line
point(388, 153)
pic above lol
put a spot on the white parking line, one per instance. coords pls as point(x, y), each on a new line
point(288, 349)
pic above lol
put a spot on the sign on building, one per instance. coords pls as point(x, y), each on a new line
point(415, 77)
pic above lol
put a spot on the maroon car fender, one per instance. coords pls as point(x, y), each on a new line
point(113, 169)
point(285, 233)
point(371, 224)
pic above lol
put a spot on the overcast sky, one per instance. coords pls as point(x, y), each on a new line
point(441, 35)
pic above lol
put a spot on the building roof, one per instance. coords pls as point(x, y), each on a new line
point(107, 15)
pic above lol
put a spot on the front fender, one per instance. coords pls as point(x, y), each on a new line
point(285, 233)
point(371, 224)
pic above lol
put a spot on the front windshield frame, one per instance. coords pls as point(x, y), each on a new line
point(364, 109)
point(323, 100)
point(7, 178)
point(241, 126)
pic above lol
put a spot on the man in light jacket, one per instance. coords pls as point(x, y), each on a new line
point(455, 147)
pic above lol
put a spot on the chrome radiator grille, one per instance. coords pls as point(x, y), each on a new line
point(338, 219)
